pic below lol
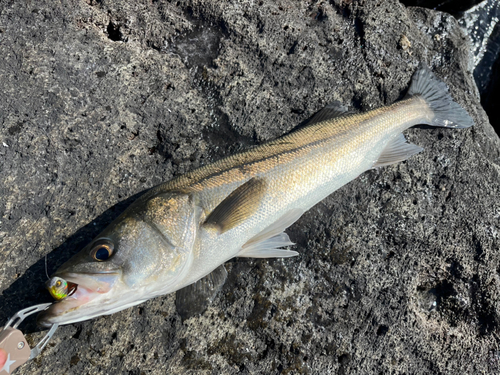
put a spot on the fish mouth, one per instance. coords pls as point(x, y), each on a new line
point(90, 294)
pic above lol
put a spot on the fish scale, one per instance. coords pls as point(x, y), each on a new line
point(301, 169)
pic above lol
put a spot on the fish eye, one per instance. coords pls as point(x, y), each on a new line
point(102, 250)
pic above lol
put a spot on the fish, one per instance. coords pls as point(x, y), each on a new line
point(177, 236)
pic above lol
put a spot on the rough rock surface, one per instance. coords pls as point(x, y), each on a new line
point(100, 100)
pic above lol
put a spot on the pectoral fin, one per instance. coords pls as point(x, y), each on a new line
point(397, 150)
point(195, 298)
point(237, 206)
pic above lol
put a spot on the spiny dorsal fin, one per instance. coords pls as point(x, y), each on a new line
point(194, 299)
point(237, 206)
point(396, 150)
point(332, 110)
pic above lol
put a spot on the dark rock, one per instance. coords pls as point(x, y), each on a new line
point(483, 26)
point(489, 98)
point(454, 7)
point(399, 270)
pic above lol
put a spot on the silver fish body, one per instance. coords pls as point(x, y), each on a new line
point(180, 231)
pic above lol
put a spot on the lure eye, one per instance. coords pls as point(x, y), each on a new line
point(102, 251)
point(60, 288)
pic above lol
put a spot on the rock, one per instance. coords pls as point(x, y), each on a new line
point(454, 7)
point(399, 270)
point(483, 26)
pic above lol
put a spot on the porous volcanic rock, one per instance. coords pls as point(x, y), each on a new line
point(100, 100)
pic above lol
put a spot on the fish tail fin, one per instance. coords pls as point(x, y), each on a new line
point(447, 113)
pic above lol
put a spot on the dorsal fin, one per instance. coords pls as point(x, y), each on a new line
point(237, 206)
point(332, 110)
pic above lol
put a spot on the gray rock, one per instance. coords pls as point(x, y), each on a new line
point(399, 270)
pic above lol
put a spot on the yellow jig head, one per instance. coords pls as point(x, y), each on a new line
point(60, 288)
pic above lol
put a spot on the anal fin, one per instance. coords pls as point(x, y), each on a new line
point(195, 298)
point(397, 150)
point(268, 243)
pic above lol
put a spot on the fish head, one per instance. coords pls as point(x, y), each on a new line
point(145, 252)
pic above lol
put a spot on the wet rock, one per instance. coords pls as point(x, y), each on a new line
point(483, 27)
point(399, 270)
point(455, 7)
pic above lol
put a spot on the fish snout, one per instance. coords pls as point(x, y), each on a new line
point(76, 295)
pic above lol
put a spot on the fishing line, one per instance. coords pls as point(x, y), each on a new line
point(46, 272)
